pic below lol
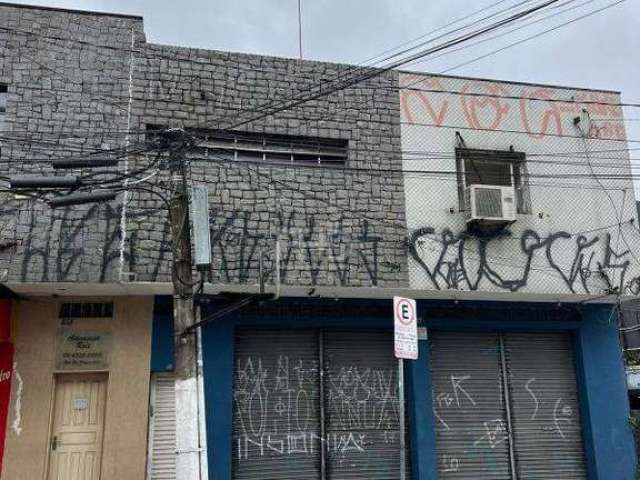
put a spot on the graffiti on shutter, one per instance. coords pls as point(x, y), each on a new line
point(291, 422)
point(485, 432)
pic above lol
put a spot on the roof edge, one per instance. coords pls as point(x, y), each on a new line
point(70, 10)
point(513, 82)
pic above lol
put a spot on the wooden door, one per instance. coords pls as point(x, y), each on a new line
point(75, 449)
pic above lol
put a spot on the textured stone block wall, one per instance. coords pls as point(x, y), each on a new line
point(335, 226)
point(69, 83)
point(68, 88)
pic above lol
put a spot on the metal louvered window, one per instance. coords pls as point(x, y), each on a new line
point(506, 406)
point(315, 404)
point(161, 461)
point(271, 148)
point(265, 147)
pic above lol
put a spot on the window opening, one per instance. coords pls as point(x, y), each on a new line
point(493, 167)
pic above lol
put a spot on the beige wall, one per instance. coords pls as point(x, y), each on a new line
point(35, 326)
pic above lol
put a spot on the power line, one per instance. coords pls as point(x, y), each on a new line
point(431, 32)
point(524, 132)
point(594, 102)
point(429, 51)
point(576, 19)
point(550, 271)
point(519, 27)
point(371, 73)
point(433, 173)
point(481, 57)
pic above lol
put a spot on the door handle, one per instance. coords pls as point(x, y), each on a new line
point(54, 442)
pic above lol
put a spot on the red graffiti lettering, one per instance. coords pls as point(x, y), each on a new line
point(408, 107)
point(549, 118)
point(477, 109)
point(600, 104)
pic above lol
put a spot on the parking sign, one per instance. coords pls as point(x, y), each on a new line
point(405, 328)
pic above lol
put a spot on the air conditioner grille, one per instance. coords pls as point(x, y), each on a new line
point(488, 202)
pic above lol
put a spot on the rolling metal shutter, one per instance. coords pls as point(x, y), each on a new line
point(546, 412)
point(468, 405)
point(281, 428)
point(276, 406)
point(506, 406)
point(162, 428)
point(361, 393)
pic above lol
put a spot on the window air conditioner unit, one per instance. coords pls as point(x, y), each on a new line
point(492, 206)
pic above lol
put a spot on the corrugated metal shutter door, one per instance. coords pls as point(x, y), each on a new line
point(162, 428)
point(361, 398)
point(469, 408)
point(545, 409)
point(276, 406)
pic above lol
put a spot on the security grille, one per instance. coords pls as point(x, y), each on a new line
point(361, 398)
point(469, 407)
point(488, 202)
point(545, 408)
point(506, 406)
point(313, 404)
point(276, 433)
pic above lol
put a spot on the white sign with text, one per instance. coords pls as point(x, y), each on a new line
point(405, 328)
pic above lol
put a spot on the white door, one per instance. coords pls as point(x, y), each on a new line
point(75, 450)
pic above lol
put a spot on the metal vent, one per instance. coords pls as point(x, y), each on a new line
point(162, 428)
point(86, 310)
point(488, 202)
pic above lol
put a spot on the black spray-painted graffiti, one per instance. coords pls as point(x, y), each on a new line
point(461, 261)
point(94, 236)
point(341, 248)
point(68, 245)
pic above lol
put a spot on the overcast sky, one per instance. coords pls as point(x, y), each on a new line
point(602, 51)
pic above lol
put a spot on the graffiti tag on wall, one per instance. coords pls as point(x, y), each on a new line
point(332, 252)
point(491, 106)
point(458, 261)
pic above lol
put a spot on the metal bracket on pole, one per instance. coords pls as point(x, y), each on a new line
point(244, 301)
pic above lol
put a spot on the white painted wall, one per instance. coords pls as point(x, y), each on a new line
point(545, 132)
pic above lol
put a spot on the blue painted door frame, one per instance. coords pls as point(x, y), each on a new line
point(607, 434)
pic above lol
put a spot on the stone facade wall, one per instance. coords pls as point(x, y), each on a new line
point(68, 87)
point(335, 226)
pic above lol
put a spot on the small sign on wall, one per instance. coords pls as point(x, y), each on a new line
point(80, 403)
point(83, 350)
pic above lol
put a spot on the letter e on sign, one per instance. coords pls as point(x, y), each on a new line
point(405, 328)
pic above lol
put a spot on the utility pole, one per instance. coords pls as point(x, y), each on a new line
point(177, 142)
point(185, 345)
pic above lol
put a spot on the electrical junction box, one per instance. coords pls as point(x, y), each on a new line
point(201, 232)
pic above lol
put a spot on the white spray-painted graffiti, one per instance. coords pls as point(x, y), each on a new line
point(16, 425)
point(276, 408)
point(458, 399)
